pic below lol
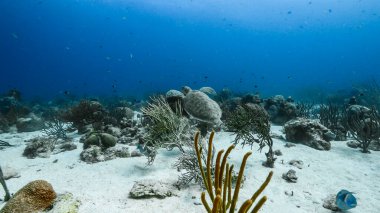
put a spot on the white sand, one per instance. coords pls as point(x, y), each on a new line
point(104, 187)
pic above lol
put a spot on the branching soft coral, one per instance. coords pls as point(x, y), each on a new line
point(166, 128)
point(251, 125)
point(365, 128)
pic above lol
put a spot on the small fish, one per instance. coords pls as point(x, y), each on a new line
point(345, 200)
point(289, 12)
point(255, 86)
point(131, 55)
point(66, 92)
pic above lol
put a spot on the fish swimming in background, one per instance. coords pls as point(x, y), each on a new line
point(345, 200)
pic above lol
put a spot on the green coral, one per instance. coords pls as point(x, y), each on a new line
point(104, 140)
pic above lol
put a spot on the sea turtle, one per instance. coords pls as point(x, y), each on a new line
point(199, 106)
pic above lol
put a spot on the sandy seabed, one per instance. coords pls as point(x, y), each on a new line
point(104, 187)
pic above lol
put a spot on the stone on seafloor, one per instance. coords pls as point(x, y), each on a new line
point(290, 176)
point(330, 203)
point(296, 163)
point(9, 172)
point(65, 203)
point(152, 188)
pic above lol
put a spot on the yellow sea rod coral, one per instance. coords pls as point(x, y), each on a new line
point(220, 189)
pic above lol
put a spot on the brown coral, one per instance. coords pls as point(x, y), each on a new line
point(35, 196)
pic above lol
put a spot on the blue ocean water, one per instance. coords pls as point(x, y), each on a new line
point(135, 48)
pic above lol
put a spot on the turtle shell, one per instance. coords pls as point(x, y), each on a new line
point(201, 107)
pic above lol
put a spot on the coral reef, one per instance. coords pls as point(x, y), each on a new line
point(364, 125)
point(220, 189)
point(251, 125)
point(224, 95)
point(189, 163)
point(280, 109)
point(367, 93)
point(123, 116)
point(36, 196)
point(103, 140)
point(85, 113)
point(166, 128)
point(55, 128)
point(39, 147)
point(4, 125)
point(333, 117)
point(30, 123)
point(309, 132)
point(251, 98)
point(95, 154)
point(43, 147)
point(305, 109)
point(12, 109)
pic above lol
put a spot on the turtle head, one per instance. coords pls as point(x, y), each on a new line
point(186, 89)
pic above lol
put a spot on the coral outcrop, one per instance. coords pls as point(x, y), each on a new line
point(36, 196)
point(308, 132)
point(280, 109)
